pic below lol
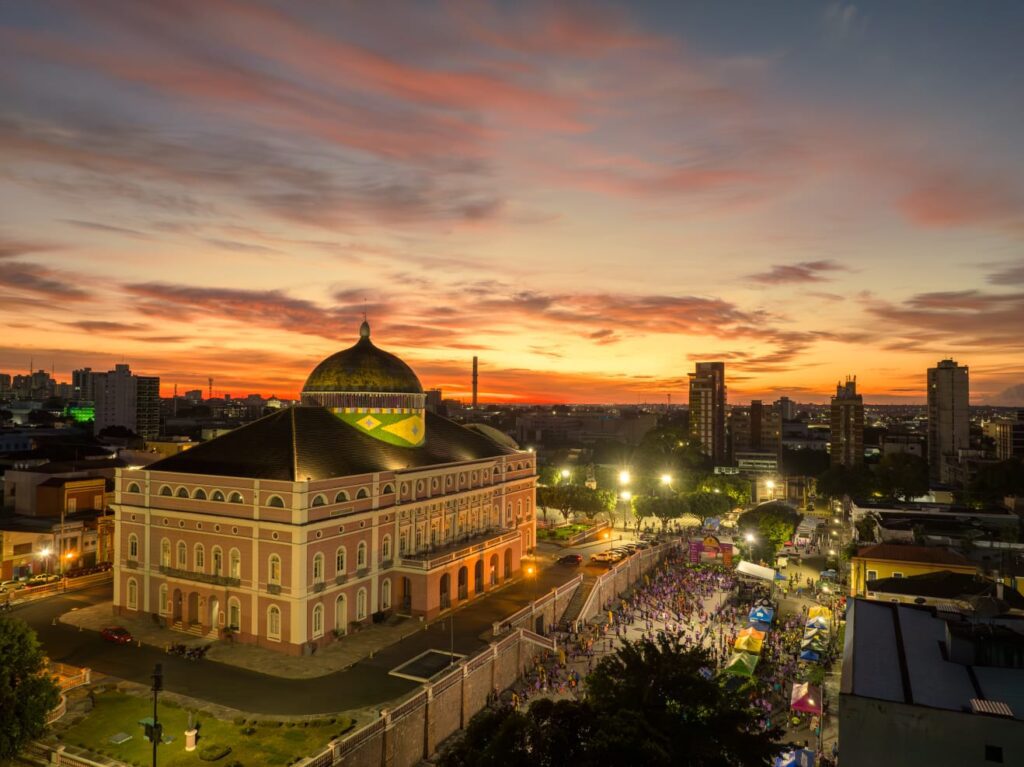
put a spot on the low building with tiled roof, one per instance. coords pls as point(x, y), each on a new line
point(296, 528)
point(893, 560)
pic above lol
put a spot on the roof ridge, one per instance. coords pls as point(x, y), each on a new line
point(295, 447)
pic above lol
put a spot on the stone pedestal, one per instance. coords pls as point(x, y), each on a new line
point(190, 739)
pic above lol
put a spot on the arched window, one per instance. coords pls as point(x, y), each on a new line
point(235, 498)
point(519, 509)
point(361, 604)
point(166, 491)
point(362, 494)
point(318, 621)
point(165, 553)
point(199, 553)
point(235, 564)
point(361, 555)
point(319, 501)
point(318, 568)
point(274, 570)
point(385, 548)
point(234, 614)
point(133, 594)
point(385, 594)
point(341, 614)
point(341, 497)
point(133, 487)
point(133, 546)
point(218, 560)
point(182, 492)
point(199, 494)
point(161, 605)
point(182, 555)
point(273, 623)
point(217, 496)
point(276, 502)
point(388, 488)
point(403, 543)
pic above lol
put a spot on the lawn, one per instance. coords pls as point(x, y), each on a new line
point(266, 742)
point(561, 533)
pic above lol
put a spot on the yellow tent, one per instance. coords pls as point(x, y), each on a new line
point(749, 644)
point(819, 611)
point(750, 631)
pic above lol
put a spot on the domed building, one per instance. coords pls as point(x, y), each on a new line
point(356, 504)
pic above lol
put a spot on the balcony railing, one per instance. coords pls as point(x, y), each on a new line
point(319, 586)
point(385, 564)
point(132, 564)
point(188, 575)
point(273, 588)
point(430, 560)
point(340, 579)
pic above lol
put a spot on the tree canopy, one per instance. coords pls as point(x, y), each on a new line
point(650, 703)
point(27, 692)
point(839, 481)
point(903, 476)
point(772, 525)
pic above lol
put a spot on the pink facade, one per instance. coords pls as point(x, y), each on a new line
point(293, 565)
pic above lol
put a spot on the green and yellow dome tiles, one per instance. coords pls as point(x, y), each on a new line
point(372, 390)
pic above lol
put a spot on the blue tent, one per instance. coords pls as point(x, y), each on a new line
point(810, 655)
point(762, 614)
point(819, 622)
point(801, 757)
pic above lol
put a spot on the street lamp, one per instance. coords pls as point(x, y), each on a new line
point(625, 477)
point(45, 554)
point(749, 537)
point(566, 474)
point(666, 479)
point(625, 495)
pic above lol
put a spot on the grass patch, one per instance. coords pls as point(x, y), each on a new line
point(117, 712)
point(561, 533)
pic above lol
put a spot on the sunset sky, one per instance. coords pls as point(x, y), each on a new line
point(588, 197)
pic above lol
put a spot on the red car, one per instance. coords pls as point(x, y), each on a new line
point(571, 559)
point(117, 635)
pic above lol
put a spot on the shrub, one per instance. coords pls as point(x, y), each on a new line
point(248, 730)
point(239, 720)
point(214, 751)
point(290, 724)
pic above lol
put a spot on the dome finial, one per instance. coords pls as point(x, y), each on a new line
point(364, 329)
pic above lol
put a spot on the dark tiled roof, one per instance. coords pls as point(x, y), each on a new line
point(894, 552)
point(945, 585)
point(311, 442)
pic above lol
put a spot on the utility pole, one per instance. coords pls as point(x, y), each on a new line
point(155, 731)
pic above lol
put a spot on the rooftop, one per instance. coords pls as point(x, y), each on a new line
point(946, 585)
point(930, 555)
point(311, 443)
point(899, 653)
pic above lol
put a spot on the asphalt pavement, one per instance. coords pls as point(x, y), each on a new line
point(365, 684)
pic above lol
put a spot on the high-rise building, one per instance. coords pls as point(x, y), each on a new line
point(124, 399)
point(81, 383)
point(5, 383)
point(948, 417)
point(786, 408)
point(847, 420)
point(1009, 437)
point(757, 429)
point(707, 409)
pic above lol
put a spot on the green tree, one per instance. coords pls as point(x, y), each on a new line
point(841, 481)
point(903, 476)
point(27, 692)
point(650, 703)
point(705, 504)
point(772, 524)
point(662, 507)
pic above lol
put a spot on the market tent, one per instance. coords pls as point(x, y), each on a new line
point(749, 644)
point(814, 645)
point(755, 571)
point(806, 698)
point(817, 623)
point(761, 626)
point(751, 632)
point(762, 614)
point(801, 757)
point(810, 655)
point(741, 664)
point(819, 610)
point(811, 631)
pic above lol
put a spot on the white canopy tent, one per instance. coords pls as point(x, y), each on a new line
point(756, 571)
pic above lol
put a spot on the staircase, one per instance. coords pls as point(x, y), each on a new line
point(572, 610)
point(196, 630)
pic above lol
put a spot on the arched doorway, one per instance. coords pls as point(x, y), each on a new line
point(193, 607)
point(176, 606)
point(406, 593)
point(446, 591)
point(463, 583)
point(478, 576)
point(494, 569)
point(341, 614)
point(508, 563)
point(214, 613)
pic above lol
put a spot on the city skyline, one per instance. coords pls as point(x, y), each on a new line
point(589, 201)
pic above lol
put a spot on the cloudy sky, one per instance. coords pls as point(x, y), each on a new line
point(588, 197)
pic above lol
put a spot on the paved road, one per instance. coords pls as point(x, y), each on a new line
point(366, 683)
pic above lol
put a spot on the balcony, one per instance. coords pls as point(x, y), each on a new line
point(362, 572)
point(340, 579)
point(210, 578)
point(273, 588)
point(387, 563)
point(132, 564)
point(442, 555)
point(319, 586)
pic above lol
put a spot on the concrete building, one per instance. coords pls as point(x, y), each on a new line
point(581, 428)
point(297, 528)
point(922, 687)
point(846, 445)
point(948, 417)
point(786, 408)
point(124, 399)
point(1009, 437)
point(893, 560)
point(755, 429)
point(707, 409)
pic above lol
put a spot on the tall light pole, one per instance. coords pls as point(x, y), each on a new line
point(156, 731)
point(624, 479)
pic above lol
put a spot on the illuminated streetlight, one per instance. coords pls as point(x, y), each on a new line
point(625, 495)
point(831, 552)
point(716, 490)
point(749, 537)
point(529, 570)
point(624, 477)
point(566, 474)
point(45, 552)
point(666, 479)
point(770, 484)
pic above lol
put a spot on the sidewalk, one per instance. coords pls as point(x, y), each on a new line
point(335, 657)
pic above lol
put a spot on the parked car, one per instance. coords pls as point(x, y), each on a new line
point(14, 585)
point(42, 579)
point(643, 545)
point(117, 635)
point(570, 559)
point(601, 557)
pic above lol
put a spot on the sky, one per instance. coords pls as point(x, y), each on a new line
point(589, 197)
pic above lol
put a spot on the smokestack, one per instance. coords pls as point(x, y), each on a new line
point(475, 381)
